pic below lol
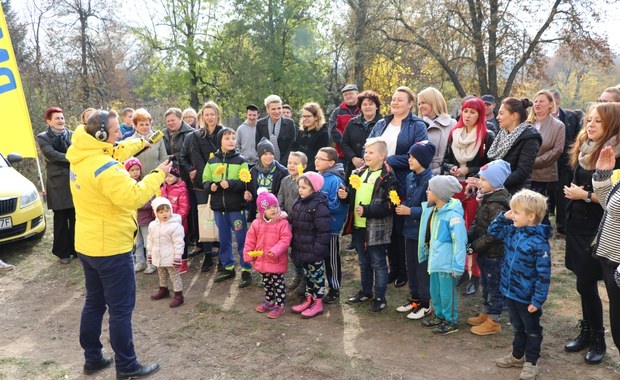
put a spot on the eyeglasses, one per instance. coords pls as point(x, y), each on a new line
point(604, 101)
point(307, 116)
point(317, 158)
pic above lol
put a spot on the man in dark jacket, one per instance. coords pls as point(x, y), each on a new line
point(339, 118)
point(277, 129)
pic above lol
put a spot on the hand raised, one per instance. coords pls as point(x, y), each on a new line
point(606, 160)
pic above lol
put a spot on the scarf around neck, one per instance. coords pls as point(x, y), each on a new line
point(587, 149)
point(465, 145)
point(504, 141)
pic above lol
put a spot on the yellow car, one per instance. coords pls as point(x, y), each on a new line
point(21, 209)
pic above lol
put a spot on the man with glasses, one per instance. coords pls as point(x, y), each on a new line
point(611, 94)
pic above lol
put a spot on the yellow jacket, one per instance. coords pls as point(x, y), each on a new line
point(105, 197)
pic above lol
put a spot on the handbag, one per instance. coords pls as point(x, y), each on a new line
point(207, 229)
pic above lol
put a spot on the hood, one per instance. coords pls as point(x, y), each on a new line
point(454, 205)
point(344, 106)
point(84, 145)
point(501, 196)
point(280, 216)
point(174, 218)
point(337, 170)
point(158, 201)
point(539, 229)
point(443, 120)
point(530, 133)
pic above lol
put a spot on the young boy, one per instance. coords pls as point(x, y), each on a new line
point(326, 163)
point(420, 157)
point(221, 180)
point(526, 273)
point(494, 200)
point(370, 221)
point(442, 241)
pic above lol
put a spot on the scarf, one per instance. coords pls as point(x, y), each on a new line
point(465, 145)
point(274, 132)
point(504, 141)
point(588, 147)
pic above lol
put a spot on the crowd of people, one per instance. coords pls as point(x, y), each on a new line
point(430, 201)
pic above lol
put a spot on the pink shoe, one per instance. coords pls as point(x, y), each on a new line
point(275, 312)
point(264, 307)
point(183, 268)
point(297, 309)
point(315, 309)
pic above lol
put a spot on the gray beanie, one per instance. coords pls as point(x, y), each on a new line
point(264, 146)
point(444, 186)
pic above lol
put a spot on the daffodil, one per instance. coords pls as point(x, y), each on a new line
point(300, 170)
point(355, 181)
point(394, 198)
point(245, 175)
point(255, 254)
point(211, 155)
point(220, 170)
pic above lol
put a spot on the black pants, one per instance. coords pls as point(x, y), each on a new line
point(591, 305)
point(613, 292)
point(544, 188)
point(558, 201)
point(396, 251)
point(64, 233)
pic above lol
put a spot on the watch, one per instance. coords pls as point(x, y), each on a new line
point(589, 197)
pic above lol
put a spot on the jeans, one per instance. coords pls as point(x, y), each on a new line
point(527, 329)
point(110, 282)
point(418, 274)
point(490, 276)
point(64, 233)
point(227, 222)
point(443, 294)
point(373, 264)
point(396, 250)
point(140, 252)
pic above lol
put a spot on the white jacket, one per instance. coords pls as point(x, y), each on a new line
point(165, 241)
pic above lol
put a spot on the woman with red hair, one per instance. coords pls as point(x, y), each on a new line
point(466, 152)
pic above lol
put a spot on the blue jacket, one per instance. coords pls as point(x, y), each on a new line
point(413, 129)
point(445, 250)
point(310, 227)
point(526, 271)
point(416, 194)
point(334, 177)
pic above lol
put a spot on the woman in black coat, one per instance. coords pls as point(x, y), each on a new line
point(312, 134)
point(53, 144)
point(357, 130)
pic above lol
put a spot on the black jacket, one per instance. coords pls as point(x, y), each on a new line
point(310, 222)
point(54, 148)
point(199, 148)
point(521, 157)
point(309, 142)
point(278, 173)
point(482, 242)
point(571, 128)
point(286, 138)
point(355, 135)
point(475, 164)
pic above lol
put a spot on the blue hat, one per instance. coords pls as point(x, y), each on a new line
point(423, 151)
point(495, 173)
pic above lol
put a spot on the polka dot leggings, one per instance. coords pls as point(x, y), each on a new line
point(275, 288)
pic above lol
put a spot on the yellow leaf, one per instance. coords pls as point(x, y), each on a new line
point(394, 198)
point(355, 181)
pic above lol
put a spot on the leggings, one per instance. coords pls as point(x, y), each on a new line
point(275, 288)
point(315, 281)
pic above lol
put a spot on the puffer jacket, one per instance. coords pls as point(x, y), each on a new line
point(526, 271)
point(105, 196)
point(416, 194)
point(178, 196)
point(272, 236)
point(200, 146)
point(311, 228)
point(145, 214)
point(379, 212)
point(230, 199)
point(272, 182)
point(445, 250)
point(334, 177)
point(521, 157)
point(438, 132)
point(481, 241)
point(164, 244)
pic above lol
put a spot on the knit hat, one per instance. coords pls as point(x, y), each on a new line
point(315, 179)
point(264, 146)
point(220, 136)
point(155, 203)
point(131, 162)
point(423, 152)
point(444, 186)
point(264, 200)
point(175, 170)
point(496, 172)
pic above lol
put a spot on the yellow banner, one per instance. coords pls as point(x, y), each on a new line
point(16, 134)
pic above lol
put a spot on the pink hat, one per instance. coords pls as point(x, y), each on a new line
point(315, 179)
point(264, 200)
point(131, 162)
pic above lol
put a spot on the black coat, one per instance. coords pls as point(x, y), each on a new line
point(174, 147)
point(482, 242)
point(521, 157)
point(355, 136)
point(571, 128)
point(475, 164)
point(199, 148)
point(309, 142)
point(54, 149)
point(286, 138)
point(279, 172)
point(310, 222)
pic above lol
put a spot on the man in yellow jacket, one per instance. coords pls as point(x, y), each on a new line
point(105, 199)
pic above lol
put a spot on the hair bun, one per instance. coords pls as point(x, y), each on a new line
point(526, 103)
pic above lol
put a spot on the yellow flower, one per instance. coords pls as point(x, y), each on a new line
point(300, 170)
point(255, 254)
point(355, 181)
point(394, 198)
point(211, 155)
point(220, 170)
point(245, 175)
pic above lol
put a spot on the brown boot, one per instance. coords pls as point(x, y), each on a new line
point(489, 327)
point(177, 300)
point(161, 293)
point(478, 319)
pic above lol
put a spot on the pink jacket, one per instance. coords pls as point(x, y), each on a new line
point(178, 196)
point(269, 237)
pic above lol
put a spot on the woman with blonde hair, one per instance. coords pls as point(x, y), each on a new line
point(432, 108)
point(189, 116)
point(312, 134)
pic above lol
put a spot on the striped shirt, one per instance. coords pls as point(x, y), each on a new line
point(610, 224)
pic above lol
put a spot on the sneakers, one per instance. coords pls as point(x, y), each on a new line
point(419, 313)
point(6, 267)
point(275, 312)
point(150, 269)
point(432, 321)
point(410, 305)
point(472, 286)
point(264, 307)
point(529, 371)
point(510, 361)
point(163, 292)
point(378, 304)
point(225, 274)
point(478, 319)
point(445, 328)
point(65, 260)
point(489, 327)
point(400, 282)
point(246, 278)
point(359, 297)
point(332, 296)
point(139, 267)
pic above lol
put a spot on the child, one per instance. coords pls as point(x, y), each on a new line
point(493, 201)
point(526, 273)
point(221, 180)
point(165, 247)
point(270, 234)
point(311, 235)
point(145, 216)
point(370, 221)
point(175, 190)
point(326, 163)
point(288, 193)
point(442, 241)
point(420, 157)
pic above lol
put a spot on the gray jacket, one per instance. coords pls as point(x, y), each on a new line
point(246, 143)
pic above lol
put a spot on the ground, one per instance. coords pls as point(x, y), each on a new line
point(217, 334)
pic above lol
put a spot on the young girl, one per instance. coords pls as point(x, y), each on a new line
point(175, 190)
point(311, 236)
point(145, 216)
point(165, 247)
point(266, 246)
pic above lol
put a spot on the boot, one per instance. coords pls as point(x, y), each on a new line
point(315, 309)
point(183, 268)
point(597, 347)
point(489, 327)
point(177, 300)
point(472, 286)
point(477, 320)
point(163, 292)
point(207, 263)
point(297, 309)
point(582, 340)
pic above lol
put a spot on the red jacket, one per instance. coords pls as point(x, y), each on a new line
point(275, 237)
point(178, 196)
point(337, 123)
